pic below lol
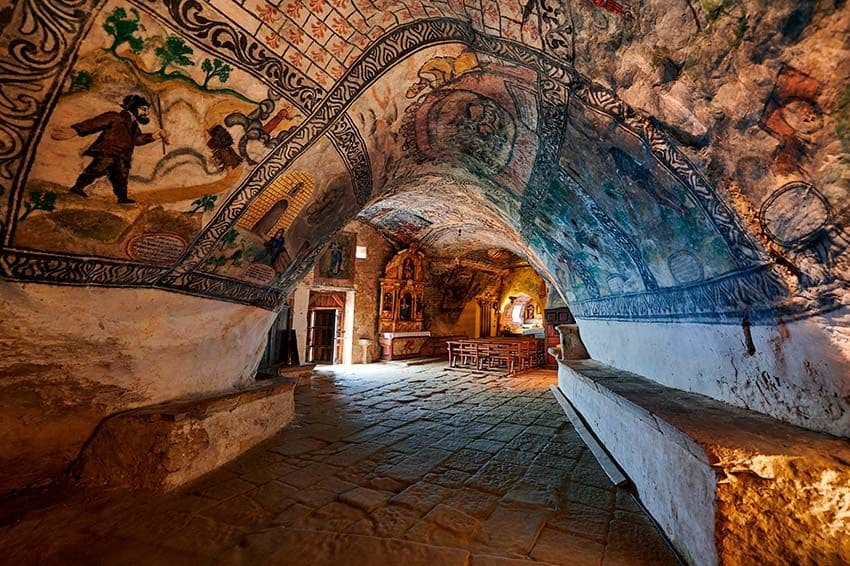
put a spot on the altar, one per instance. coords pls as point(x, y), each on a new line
point(402, 289)
point(401, 345)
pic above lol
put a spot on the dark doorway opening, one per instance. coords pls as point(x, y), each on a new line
point(281, 349)
point(485, 328)
point(322, 336)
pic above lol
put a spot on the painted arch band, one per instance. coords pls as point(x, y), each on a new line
point(750, 289)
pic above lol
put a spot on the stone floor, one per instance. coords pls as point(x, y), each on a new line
point(383, 465)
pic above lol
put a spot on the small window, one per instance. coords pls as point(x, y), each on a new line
point(360, 253)
point(516, 314)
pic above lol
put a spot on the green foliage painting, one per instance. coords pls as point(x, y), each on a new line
point(215, 68)
point(81, 80)
point(205, 203)
point(123, 29)
point(123, 26)
point(39, 201)
point(174, 52)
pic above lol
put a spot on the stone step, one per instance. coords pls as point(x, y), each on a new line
point(415, 361)
point(162, 446)
point(726, 484)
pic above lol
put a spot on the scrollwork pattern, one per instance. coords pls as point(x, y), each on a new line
point(35, 45)
point(40, 43)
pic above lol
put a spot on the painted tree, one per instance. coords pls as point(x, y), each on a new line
point(205, 203)
point(229, 239)
point(123, 29)
point(174, 52)
point(39, 201)
point(215, 68)
point(80, 81)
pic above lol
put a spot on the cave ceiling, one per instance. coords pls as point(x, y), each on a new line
point(461, 128)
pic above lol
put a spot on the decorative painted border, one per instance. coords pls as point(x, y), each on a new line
point(725, 295)
point(750, 293)
point(39, 44)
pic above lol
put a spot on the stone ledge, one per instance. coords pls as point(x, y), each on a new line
point(163, 446)
point(727, 485)
point(302, 373)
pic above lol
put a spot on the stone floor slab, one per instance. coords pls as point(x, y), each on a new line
point(471, 465)
point(365, 498)
point(453, 520)
point(514, 530)
point(562, 548)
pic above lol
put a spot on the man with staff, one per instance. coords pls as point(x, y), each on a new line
point(112, 151)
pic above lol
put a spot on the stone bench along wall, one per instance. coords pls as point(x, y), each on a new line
point(163, 446)
point(727, 485)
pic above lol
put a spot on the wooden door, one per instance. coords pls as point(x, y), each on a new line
point(484, 331)
point(321, 335)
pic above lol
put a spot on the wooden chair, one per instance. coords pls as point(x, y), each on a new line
point(484, 355)
point(454, 352)
point(500, 357)
point(468, 354)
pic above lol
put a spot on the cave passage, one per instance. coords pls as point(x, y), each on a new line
point(420, 281)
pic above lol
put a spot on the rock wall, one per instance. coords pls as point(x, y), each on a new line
point(795, 372)
point(367, 288)
point(451, 297)
point(73, 355)
point(523, 280)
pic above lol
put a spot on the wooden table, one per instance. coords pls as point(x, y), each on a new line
point(502, 354)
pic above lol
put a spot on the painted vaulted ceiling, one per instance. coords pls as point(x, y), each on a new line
point(651, 162)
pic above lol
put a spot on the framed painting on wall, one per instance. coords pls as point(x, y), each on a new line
point(336, 264)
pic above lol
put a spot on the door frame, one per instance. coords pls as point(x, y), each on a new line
point(311, 324)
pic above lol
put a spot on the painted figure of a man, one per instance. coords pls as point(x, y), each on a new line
point(112, 151)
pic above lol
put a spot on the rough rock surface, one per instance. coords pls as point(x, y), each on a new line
point(165, 446)
point(763, 491)
point(95, 352)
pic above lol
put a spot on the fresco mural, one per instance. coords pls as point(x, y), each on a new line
point(288, 222)
point(336, 264)
point(148, 136)
point(172, 158)
point(621, 177)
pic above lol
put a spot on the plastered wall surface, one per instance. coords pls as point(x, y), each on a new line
point(797, 373)
point(73, 355)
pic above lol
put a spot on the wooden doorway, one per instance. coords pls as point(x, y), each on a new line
point(321, 336)
point(325, 323)
point(485, 329)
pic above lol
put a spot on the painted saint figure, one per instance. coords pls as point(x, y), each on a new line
point(405, 311)
point(335, 269)
point(407, 270)
point(112, 151)
point(276, 252)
